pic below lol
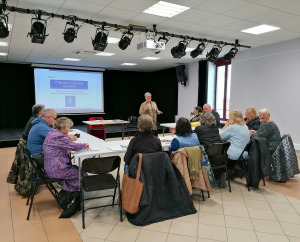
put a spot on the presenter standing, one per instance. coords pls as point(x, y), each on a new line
point(149, 107)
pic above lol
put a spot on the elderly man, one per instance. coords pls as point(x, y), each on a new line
point(37, 111)
point(207, 109)
point(37, 134)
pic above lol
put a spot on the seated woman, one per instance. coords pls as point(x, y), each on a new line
point(185, 136)
point(56, 150)
point(143, 142)
point(268, 129)
point(208, 132)
point(196, 114)
point(236, 132)
point(252, 121)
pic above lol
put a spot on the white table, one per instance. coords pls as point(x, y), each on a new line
point(106, 122)
point(170, 125)
point(99, 147)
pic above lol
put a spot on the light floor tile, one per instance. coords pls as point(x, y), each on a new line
point(150, 236)
point(90, 239)
point(237, 235)
point(238, 223)
point(293, 239)
point(275, 198)
point(121, 233)
point(212, 207)
point(98, 230)
point(111, 216)
point(180, 238)
point(293, 218)
point(211, 219)
point(261, 214)
point(291, 229)
point(267, 226)
point(236, 211)
point(206, 240)
point(292, 200)
point(284, 207)
point(193, 218)
point(212, 232)
point(257, 204)
point(183, 228)
point(234, 201)
point(160, 227)
point(254, 196)
point(265, 237)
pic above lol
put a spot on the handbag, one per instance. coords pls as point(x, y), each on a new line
point(132, 190)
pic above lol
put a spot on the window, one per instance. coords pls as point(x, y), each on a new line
point(222, 88)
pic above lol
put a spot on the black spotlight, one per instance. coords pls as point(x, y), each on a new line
point(179, 50)
point(38, 30)
point(231, 54)
point(70, 32)
point(212, 56)
point(4, 32)
point(100, 41)
point(125, 40)
point(198, 51)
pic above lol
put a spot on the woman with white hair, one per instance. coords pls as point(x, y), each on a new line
point(149, 107)
point(268, 129)
point(56, 150)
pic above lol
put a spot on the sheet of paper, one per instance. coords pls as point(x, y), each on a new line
point(117, 147)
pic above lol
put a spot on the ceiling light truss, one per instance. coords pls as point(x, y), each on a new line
point(165, 35)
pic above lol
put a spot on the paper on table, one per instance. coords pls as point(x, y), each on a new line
point(116, 147)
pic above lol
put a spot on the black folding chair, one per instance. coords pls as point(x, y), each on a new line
point(131, 129)
point(217, 155)
point(100, 179)
point(39, 177)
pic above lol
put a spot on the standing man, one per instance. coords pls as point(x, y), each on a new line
point(149, 107)
point(207, 109)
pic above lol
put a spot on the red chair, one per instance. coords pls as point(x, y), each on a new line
point(97, 130)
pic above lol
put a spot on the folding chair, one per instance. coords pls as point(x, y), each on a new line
point(131, 128)
point(97, 130)
point(100, 179)
point(217, 155)
point(37, 178)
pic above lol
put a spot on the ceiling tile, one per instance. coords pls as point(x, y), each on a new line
point(219, 21)
point(221, 6)
point(193, 16)
point(247, 11)
point(115, 13)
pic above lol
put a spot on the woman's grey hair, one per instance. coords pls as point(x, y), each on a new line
point(264, 110)
point(145, 123)
point(48, 111)
point(62, 123)
point(208, 119)
point(37, 108)
point(147, 94)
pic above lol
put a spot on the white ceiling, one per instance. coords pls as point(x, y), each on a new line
point(220, 20)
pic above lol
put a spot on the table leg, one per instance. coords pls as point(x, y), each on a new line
point(164, 130)
point(122, 131)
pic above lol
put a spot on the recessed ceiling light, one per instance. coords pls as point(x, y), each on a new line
point(189, 49)
point(128, 64)
point(3, 54)
point(3, 43)
point(151, 58)
point(165, 9)
point(105, 54)
point(260, 29)
point(111, 40)
point(71, 59)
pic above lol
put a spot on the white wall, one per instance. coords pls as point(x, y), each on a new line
point(188, 95)
point(269, 76)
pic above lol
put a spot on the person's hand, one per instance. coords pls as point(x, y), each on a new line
point(159, 112)
point(226, 124)
point(251, 131)
point(73, 137)
point(146, 108)
point(87, 146)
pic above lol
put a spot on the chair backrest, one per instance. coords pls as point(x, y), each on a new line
point(37, 167)
point(101, 165)
point(246, 149)
point(95, 118)
point(133, 119)
point(218, 148)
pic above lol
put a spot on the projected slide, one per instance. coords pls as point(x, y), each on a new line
point(68, 91)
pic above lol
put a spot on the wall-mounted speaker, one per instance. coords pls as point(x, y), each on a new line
point(181, 75)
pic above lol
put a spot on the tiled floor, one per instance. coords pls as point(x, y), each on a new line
point(271, 213)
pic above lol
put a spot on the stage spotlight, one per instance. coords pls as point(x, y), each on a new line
point(4, 32)
point(231, 54)
point(70, 32)
point(198, 51)
point(38, 30)
point(125, 40)
point(212, 56)
point(179, 50)
point(162, 39)
point(100, 41)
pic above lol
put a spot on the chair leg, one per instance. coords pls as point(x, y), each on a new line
point(53, 191)
point(208, 195)
point(31, 200)
point(203, 199)
point(228, 179)
point(120, 203)
point(82, 206)
point(264, 181)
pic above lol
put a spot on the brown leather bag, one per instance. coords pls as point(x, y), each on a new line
point(132, 190)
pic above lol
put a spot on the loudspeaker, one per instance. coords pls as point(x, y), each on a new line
point(181, 76)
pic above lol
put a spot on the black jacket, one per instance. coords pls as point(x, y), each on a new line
point(254, 124)
point(164, 195)
point(260, 162)
point(208, 135)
